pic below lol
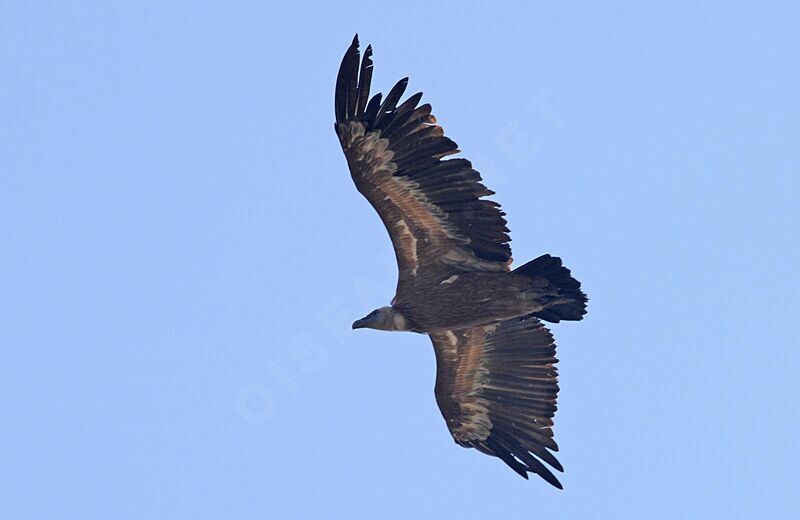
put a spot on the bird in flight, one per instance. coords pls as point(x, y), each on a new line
point(496, 381)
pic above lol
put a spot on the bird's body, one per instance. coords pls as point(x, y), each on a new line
point(460, 300)
point(468, 298)
point(496, 383)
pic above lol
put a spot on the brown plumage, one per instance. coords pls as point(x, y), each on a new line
point(496, 386)
point(496, 383)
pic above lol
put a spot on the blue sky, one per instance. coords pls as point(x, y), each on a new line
point(183, 253)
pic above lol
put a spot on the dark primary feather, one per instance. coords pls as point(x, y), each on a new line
point(365, 79)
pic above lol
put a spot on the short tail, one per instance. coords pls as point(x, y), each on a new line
point(558, 287)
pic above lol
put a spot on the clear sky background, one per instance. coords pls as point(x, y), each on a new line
point(182, 253)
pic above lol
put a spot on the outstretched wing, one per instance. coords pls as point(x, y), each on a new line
point(496, 386)
point(432, 208)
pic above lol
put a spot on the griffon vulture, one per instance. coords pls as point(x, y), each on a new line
point(496, 381)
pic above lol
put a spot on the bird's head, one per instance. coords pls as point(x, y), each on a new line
point(385, 318)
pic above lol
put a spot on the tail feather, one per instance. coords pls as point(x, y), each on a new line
point(555, 281)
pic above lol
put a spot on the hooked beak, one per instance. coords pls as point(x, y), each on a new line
point(360, 324)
